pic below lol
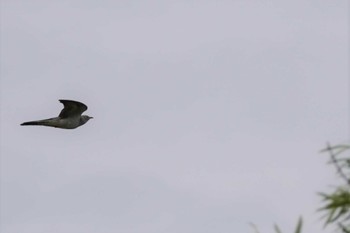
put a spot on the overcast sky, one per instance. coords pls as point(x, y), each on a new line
point(208, 115)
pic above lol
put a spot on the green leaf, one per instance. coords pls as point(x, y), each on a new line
point(299, 225)
point(277, 229)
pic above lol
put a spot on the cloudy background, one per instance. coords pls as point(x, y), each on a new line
point(208, 115)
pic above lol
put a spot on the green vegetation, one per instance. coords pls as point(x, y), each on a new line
point(336, 204)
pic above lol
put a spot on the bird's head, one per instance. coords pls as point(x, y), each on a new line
point(85, 118)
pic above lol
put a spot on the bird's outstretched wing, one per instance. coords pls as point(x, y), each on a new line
point(72, 108)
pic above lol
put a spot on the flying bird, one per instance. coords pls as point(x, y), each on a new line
point(69, 118)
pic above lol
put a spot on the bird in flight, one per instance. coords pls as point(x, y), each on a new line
point(69, 118)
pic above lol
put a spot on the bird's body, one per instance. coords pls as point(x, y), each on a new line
point(69, 118)
point(57, 122)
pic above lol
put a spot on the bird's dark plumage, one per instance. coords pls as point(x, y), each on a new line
point(72, 108)
point(70, 116)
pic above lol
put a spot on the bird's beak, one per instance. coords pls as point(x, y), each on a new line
point(91, 118)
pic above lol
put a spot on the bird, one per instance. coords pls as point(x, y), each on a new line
point(69, 118)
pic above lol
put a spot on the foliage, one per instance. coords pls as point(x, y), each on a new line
point(277, 229)
point(297, 229)
point(337, 203)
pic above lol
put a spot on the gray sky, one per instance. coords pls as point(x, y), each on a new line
point(208, 115)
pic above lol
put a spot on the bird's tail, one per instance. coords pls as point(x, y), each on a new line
point(46, 122)
point(32, 123)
